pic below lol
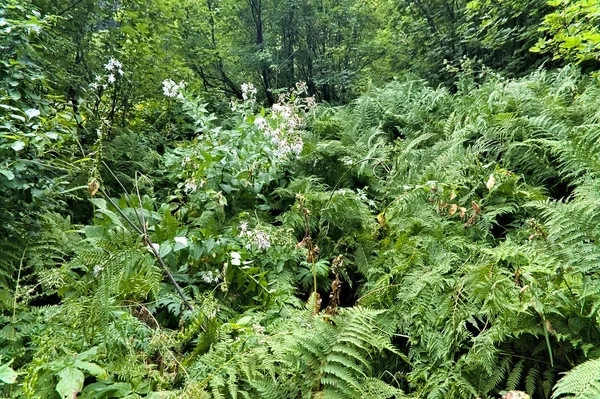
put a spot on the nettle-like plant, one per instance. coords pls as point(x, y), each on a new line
point(236, 163)
point(34, 127)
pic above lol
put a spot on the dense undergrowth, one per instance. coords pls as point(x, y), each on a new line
point(418, 242)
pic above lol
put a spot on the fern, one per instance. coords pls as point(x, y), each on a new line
point(583, 382)
point(303, 354)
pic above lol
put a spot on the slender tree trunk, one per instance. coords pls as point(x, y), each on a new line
point(257, 17)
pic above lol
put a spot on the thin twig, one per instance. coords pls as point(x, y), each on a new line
point(149, 243)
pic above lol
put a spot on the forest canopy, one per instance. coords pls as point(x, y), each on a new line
point(299, 199)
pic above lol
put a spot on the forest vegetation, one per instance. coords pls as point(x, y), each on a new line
point(300, 199)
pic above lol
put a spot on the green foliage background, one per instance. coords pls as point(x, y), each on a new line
point(299, 199)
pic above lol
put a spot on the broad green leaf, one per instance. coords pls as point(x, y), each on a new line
point(17, 145)
point(112, 216)
point(165, 249)
point(70, 382)
point(99, 202)
point(7, 173)
point(94, 231)
point(7, 375)
point(91, 368)
point(180, 243)
point(87, 354)
point(19, 117)
point(32, 113)
point(244, 321)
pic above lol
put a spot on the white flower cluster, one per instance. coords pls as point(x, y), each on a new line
point(285, 113)
point(172, 89)
point(249, 92)
point(301, 87)
point(261, 123)
point(285, 136)
point(210, 277)
point(190, 186)
point(113, 67)
point(255, 237)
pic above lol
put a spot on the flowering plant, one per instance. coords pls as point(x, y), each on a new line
point(223, 165)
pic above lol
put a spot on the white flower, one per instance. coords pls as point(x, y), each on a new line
point(248, 91)
point(262, 239)
point(301, 87)
point(491, 182)
point(281, 110)
point(98, 78)
point(111, 78)
point(258, 329)
point(297, 145)
point(244, 227)
point(94, 85)
point(190, 186)
point(236, 258)
point(168, 86)
point(110, 65)
point(120, 71)
point(261, 123)
point(293, 121)
point(97, 270)
point(172, 89)
point(210, 277)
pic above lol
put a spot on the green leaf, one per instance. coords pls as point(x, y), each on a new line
point(180, 243)
point(94, 231)
point(7, 375)
point(7, 173)
point(14, 95)
point(244, 321)
point(91, 368)
point(99, 202)
point(18, 117)
point(571, 42)
point(87, 354)
point(165, 249)
point(112, 216)
point(17, 145)
point(32, 113)
point(70, 382)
